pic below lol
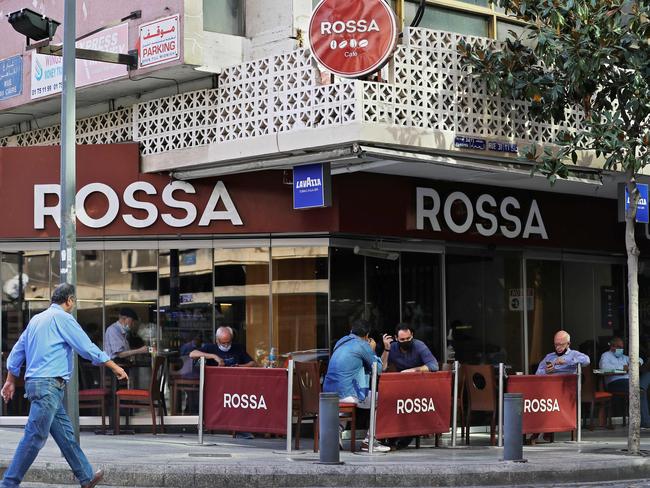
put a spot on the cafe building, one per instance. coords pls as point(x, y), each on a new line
point(188, 212)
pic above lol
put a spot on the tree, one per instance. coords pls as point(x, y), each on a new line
point(593, 55)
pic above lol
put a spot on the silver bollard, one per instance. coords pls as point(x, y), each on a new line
point(513, 407)
point(328, 423)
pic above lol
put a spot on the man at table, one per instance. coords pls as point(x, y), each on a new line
point(116, 344)
point(615, 359)
point(348, 370)
point(406, 354)
point(224, 352)
point(563, 359)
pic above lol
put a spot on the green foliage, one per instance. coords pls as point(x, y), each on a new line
point(589, 54)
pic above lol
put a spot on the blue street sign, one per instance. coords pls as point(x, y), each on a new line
point(11, 77)
point(642, 214)
point(311, 186)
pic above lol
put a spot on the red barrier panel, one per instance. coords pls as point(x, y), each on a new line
point(411, 404)
point(549, 401)
point(245, 399)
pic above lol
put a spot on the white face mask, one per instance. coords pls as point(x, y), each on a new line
point(224, 348)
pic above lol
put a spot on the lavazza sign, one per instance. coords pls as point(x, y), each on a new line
point(171, 198)
point(507, 216)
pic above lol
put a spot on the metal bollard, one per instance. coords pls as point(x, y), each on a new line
point(513, 449)
point(328, 423)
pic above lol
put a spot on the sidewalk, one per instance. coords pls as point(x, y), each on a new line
point(175, 460)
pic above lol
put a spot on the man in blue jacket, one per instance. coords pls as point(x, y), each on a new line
point(46, 346)
point(349, 369)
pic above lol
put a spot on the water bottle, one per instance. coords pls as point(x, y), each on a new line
point(272, 358)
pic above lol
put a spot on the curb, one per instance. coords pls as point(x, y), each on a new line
point(289, 474)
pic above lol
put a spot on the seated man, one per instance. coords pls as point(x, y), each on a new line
point(351, 362)
point(563, 359)
point(224, 353)
point(115, 343)
point(615, 383)
point(406, 355)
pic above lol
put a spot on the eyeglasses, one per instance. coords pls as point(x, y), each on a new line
point(407, 339)
point(558, 344)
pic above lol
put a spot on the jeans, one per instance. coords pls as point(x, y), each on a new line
point(623, 385)
point(46, 415)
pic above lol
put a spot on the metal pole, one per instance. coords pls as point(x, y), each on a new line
point(290, 404)
point(68, 235)
point(579, 400)
point(328, 422)
point(513, 449)
point(201, 386)
point(500, 440)
point(454, 412)
point(373, 401)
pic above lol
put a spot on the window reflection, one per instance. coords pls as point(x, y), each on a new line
point(241, 296)
point(300, 286)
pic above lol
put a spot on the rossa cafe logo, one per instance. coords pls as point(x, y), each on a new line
point(352, 38)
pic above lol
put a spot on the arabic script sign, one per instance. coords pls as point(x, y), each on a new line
point(158, 42)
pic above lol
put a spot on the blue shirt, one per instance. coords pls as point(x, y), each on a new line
point(352, 358)
point(419, 355)
point(47, 343)
point(571, 360)
point(115, 340)
point(609, 361)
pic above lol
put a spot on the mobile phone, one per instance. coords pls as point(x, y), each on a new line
point(549, 363)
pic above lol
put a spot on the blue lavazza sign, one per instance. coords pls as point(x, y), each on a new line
point(312, 186)
point(11, 77)
point(642, 214)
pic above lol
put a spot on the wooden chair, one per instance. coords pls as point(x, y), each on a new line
point(182, 385)
point(595, 398)
point(138, 399)
point(95, 398)
point(481, 389)
point(308, 376)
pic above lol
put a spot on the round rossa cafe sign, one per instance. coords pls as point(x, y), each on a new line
point(352, 38)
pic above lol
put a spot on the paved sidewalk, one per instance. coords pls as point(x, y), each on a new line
point(174, 460)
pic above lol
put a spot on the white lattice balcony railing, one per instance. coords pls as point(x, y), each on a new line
point(427, 93)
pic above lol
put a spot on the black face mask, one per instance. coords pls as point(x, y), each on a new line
point(563, 352)
point(406, 346)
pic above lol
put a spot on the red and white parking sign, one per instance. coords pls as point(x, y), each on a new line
point(352, 38)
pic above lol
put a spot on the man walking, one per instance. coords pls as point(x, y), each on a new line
point(46, 346)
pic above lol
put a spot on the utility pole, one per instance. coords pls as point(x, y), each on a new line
point(68, 237)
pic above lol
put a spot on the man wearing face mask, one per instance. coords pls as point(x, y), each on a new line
point(115, 343)
point(407, 354)
point(563, 359)
point(223, 352)
point(615, 359)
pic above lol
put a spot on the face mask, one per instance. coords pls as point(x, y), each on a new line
point(224, 348)
point(618, 352)
point(406, 346)
point(563, 352)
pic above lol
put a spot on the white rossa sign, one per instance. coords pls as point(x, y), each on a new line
point(429, 206)
point(169, 193)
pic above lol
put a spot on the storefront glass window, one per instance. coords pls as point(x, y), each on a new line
point(241, 296)
point(421, 298)
point(484, 325)
point(346, 291)
point(300, 298)
point(25, 292)
point(544, 285)
point(382, 299)
point(593, 305)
